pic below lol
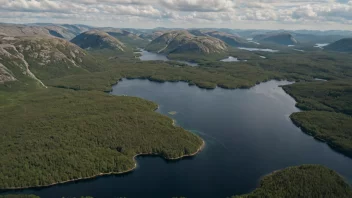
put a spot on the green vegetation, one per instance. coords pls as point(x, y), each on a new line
point(323, 96)
point(55, 135)
point(96, 39)
point(328, 112)
point(228, 76)
point(302, 181)
point(182, 41)
point(18, 196)
point(343, 45)
point(128, 38)
point(282, 38)
point(333, 128)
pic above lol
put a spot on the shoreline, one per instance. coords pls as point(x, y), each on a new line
point(111, 173)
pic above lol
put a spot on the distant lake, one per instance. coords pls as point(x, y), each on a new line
point(320, 79)
point(247, 132)
point(230, 59)
point(298, 50)
point(321, 45)
point(258, 49)
point(150, 56)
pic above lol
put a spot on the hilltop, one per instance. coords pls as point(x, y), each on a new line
point(61, 31)
point(343, 45)
point(184, 42)
point(230, 39)
point(95, 39)
point(38, 58)
point(283, 38)
point(302, 181)
point(126, 37)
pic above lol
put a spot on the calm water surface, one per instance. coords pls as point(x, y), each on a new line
point(321, 45)
point(257, 49)
point(150, 56)
point(230, 59)
point(248, 134)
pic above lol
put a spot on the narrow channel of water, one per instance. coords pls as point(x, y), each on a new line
point(248, 134)
point(150, 56)
point(258, 49)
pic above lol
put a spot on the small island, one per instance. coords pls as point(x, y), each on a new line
point(172, 113)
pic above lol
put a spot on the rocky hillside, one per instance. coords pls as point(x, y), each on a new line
point(37, 59)
point(95, 39)
point(61, 31)
point(184, 42)
point(280, 38)
point(343, 45)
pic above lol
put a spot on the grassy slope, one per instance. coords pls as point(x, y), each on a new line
point(302, 181)
point(56, 135)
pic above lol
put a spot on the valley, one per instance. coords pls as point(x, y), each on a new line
point(60, 124)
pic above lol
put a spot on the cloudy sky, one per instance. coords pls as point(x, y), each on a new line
point(236, 14)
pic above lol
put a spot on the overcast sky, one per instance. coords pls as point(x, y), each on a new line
point(235, 14)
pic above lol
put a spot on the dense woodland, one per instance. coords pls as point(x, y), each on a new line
point(328, 110)
point(333, 128)
point(302, 181)
point(57, 135)
point(73, 130)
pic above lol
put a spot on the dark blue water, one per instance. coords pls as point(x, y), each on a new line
point(248, 134)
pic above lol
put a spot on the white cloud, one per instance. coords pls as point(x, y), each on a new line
point(199, 5)
point(150, 13)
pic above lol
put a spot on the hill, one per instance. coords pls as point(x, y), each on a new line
point(128, 38)
point(343, 45)
point(279, 38)
point(185, 42)
point(230, 39)
point(61, 31)
point(302, 181)
point(95, 39)
point(151, 36)
point(33, 60)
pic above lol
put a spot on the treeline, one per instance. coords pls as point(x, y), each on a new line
point(328, 112)
point(302, 181)
point(334, 96)
point(57, 135)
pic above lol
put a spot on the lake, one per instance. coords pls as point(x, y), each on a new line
point(321, 45)
point(150, 56)
point(258, 49)
point(247, 132)
point(231, 59)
